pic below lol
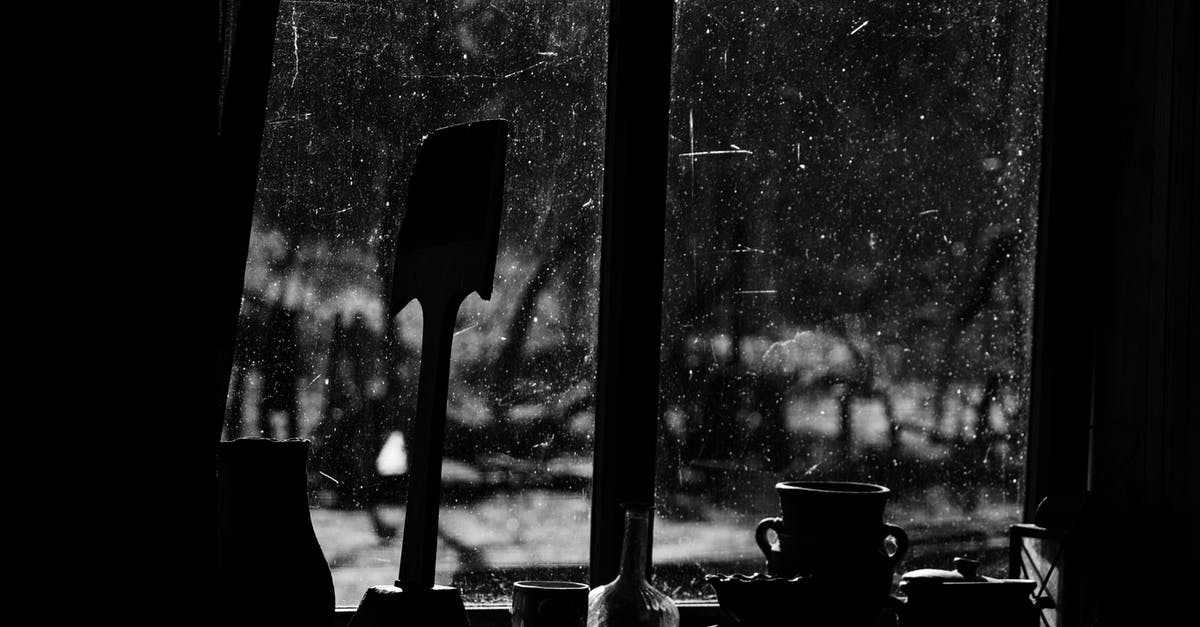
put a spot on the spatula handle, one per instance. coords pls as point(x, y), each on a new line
point(418, 554)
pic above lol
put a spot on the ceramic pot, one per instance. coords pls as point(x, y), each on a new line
point(831, 529)
point(549, 604)
point(270, 567)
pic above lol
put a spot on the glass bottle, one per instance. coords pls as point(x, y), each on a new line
point(630, 600)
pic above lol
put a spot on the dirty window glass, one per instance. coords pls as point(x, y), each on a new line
point(354, 87)
point(850, 246)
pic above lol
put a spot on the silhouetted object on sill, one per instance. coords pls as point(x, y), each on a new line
point(1078, 552)
point(833, 530)
point(760, 600)
point(271, 570)
point(549, 604)
point(630, 600)
point(946, 598)
point(445, 250)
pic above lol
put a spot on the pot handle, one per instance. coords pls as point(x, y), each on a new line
point(760, 533)
point(901, 542)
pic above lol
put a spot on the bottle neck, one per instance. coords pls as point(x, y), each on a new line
point(633, 548)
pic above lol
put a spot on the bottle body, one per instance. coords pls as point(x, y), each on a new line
point(630, 600)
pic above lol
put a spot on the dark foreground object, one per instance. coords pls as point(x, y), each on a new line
point(391, 606)
point(946, 598)
point(445, 250)
point(270, 567)
point(761, 600)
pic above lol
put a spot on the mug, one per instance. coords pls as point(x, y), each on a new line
point(549, 604)
point(830, 528)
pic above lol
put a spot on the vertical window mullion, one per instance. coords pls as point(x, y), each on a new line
point(631, 270)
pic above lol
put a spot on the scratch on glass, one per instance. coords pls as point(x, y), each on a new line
point(492, 77)
point(704, 153)
point(464, 330)
point(323, 3)
point(860, 27)
point(302, 117)
point(295, 48)
point(329, 478)
point(741, 250)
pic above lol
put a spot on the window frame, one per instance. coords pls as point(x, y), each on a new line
point(1058, 449)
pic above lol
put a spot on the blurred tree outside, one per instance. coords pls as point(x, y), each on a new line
point(853, 187)
point(354, 88)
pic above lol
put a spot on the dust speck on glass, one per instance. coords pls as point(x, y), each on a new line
point(354, 87)
point(848, 282)
point(848, 275)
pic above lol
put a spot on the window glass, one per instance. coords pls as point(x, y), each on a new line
point(848, 273)
point(354, 87)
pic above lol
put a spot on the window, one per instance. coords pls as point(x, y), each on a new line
point(851, 192)
point(852, 201)
point(353, 88)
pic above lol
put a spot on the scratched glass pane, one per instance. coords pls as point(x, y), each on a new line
point(849, 270)
point(354, 87)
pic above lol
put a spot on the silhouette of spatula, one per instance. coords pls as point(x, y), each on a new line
point(445, 250)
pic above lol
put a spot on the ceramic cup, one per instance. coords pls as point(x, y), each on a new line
point(831, 528)
point(549, 604)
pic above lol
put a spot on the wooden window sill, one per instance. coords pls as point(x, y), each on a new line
point(691, 614)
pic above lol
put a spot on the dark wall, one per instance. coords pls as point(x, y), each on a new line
point(1120, 263)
